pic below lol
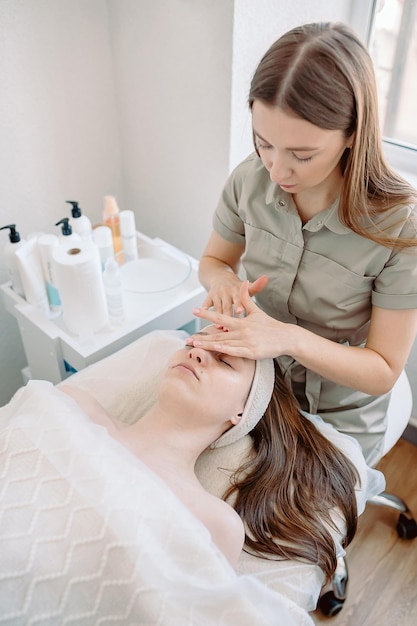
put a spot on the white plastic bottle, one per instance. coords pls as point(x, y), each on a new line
point(80, 223)
point(103, 239)
point(128, 232)
point(114, 292)
point(15, 242)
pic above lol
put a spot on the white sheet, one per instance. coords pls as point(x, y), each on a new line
point(126, 383)
point(89, 535)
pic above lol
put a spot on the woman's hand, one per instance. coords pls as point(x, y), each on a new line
point(224, 293)
point(250, 336)
point(372, 369)
point(218, 271)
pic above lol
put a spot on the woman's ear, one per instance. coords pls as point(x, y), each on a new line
point(351, 140)
point(236, 419)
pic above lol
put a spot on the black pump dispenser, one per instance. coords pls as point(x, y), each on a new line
point(14, 236)
point(75, 211)
point(66, 228)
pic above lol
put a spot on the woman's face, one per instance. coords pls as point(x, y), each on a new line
point(298, 155)
point(212, 382)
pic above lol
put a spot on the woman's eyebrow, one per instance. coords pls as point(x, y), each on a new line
point(259, 136)
point(303, 148)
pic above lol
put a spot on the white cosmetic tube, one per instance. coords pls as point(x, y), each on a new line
point(102, 237)
point(46, 243)
point(128, 232)
point(30, 268)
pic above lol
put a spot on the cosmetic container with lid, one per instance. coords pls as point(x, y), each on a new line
point(103, 239)
point(128, 232)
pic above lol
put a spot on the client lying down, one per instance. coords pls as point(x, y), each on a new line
point(90, 532)
point(285, 494)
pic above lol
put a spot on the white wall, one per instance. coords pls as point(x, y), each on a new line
point(58, 128)
point(173, 65)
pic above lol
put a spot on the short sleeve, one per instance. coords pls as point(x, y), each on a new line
point(245, 198)
point(396, 286)
point(227, 221)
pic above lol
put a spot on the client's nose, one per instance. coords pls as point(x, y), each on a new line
point(197, 354)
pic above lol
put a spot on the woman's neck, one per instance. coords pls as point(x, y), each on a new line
point(312, 201)
point(165, 444)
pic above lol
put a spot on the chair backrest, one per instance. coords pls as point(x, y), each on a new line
point(399, 411)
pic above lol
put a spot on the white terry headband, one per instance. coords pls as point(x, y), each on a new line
point(256, 404)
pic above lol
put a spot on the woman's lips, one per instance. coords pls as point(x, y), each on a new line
point(189, 368)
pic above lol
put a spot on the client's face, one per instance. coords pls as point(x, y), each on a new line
point(212, 381)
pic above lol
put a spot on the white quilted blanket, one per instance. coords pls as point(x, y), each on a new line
point(90, 536)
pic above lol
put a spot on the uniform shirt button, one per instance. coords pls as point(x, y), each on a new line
point(319, 223)
point(281, 202)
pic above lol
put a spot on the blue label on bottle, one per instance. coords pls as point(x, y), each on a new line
point(53, 295)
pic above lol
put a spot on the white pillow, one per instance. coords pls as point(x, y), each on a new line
point(126, 382)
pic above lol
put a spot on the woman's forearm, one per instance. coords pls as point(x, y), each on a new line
point(372, 369)
point(363, 369)
point(211, 269)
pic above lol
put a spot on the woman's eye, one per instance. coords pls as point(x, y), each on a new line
point(262, 146)
point(225, 362)
point(300, 160)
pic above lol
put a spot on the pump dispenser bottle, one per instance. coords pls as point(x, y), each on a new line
point(80, 223)
point(67, 238)
point(15, 242)
point(111, 218)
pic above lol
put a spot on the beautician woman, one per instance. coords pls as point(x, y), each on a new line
point(326, 233)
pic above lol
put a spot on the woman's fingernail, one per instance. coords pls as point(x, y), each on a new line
point(196, 310)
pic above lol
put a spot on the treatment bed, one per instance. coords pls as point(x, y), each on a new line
point(89, 535)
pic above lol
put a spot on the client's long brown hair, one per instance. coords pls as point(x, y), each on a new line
point(288, 490)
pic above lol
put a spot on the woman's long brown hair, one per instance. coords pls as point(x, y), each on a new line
point(323, 73)
point(295, 480)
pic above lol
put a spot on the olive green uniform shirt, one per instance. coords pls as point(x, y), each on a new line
point(323, 277)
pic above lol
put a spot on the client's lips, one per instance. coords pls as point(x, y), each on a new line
point(189, 367)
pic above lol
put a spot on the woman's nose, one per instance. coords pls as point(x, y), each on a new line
point(278, 169)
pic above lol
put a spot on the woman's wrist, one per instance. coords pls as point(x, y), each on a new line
point(210, 271)
point(291, 340)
